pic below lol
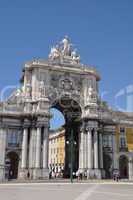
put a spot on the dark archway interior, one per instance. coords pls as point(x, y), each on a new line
point(123, 166)
point(107, 166)
point(72, 114)
point(13, 161)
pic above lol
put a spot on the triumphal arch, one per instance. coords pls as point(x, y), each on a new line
point(61, 82)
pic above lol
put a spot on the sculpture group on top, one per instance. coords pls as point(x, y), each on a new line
point(64, 50)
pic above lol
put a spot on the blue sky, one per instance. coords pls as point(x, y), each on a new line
point(102, 31)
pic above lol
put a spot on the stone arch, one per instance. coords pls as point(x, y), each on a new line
point(107, 164)
point(12, 164)
point(123, 166)
point(72, 113)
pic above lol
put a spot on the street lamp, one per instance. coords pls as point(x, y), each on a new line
point(71, 119)
point(71, 142)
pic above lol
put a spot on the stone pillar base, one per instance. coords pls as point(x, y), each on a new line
point(2, 174)
point(45, 173)
point(94, 174)
point(131, 178)
point(37, 173)
point(103, 173)
point(22, 174)
point(81, 170)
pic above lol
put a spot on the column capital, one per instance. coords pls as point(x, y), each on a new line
point(39, 125)
point(130, 160)
point(89, 129)
point(41, 122)
point(34, 123)
point(96, 129)
point(82, 128)
point(91, 125)
point(26, 123)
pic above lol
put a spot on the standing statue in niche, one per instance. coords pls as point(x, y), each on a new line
point(91, 94)
point(42, 92)
point(28, 90)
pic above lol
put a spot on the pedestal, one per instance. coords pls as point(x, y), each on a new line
point(130, 165)
point(22, 174)
point(37, 174)
point(45, 173)
point(94, 174)
point(103, 174)
point(2, 174)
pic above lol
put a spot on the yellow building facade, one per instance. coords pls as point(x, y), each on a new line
point(124, 137)
point(57, 150)
point(124, 147)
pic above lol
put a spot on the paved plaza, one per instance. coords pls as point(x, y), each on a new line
point(66, 191)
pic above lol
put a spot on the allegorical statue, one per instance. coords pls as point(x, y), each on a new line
point(54, 53)
point(42, 91)
point(66, 46)
point(75, 56)
point(63, 51)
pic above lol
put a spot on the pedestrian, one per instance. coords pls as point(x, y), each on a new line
point(28, 174)
point(117, 177)
point(77, 175)
point(85, 175)
point(81, 176)
point(50, 174)
point(114, 177)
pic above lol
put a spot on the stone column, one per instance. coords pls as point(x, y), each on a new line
point(101, 150)
point(81, 151)
point(38, 148)
point(24, 154)
point(32, 151)
point(37, 167)
point(97, 171)
point(85, 150)
point(3, 134)
point(45, 152)
point(24, 148)
point(130, 171)
point(89, 133)
point(115, 162)
point(95, 149)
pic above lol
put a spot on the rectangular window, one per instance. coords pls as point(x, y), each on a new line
point(107, 141)
point(14, 138)
point(122, 131)
point(122, 138)
point(122, 142)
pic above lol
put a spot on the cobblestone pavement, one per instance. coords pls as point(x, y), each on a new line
point(66, 191)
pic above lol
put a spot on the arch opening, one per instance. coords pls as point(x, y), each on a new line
point(12, 163)
point(57, 119)
point(123, 167)
point(71, 113)
point(107, 161)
